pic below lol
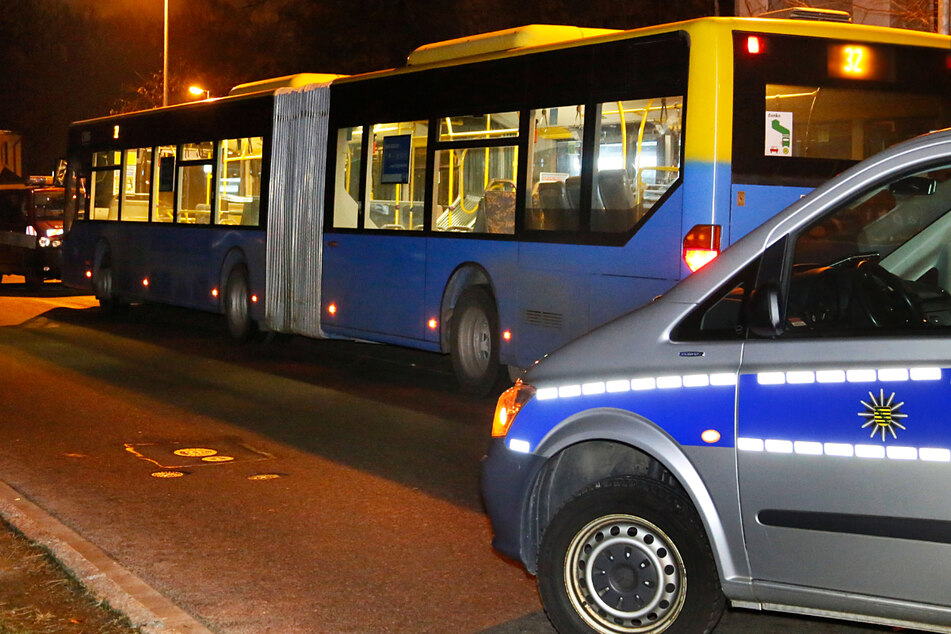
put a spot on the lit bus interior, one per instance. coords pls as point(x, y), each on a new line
point(636, 146)
point(848, 123)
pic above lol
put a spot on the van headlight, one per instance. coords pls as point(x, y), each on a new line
point(510, 404)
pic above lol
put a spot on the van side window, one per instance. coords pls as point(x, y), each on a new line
point(879, 263)
point(721, 316)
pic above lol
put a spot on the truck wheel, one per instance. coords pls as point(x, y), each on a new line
point(237, 304)
point(628, 556)
point(474, 337)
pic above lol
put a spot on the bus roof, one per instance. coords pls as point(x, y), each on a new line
point(544, 37)
point(537, 38)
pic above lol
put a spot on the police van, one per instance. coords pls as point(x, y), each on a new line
point(774, 432)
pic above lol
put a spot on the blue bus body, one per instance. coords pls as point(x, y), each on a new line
point(571, 182)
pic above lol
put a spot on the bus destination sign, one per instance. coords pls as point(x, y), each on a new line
point(860, 61)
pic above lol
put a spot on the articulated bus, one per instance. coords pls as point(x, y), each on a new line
point(498, 195)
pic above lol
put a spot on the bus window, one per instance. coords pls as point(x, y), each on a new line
point(397, 176)
point(637, 159)
point(135, 192)
point(476, 163)
point(554, 178)
point(347, 177)
point(105, 185)
point(239, 186)
point(195, 177)
point(163, 202)
point(842, 123)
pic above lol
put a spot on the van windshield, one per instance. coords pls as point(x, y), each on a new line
point(878, 262)
point(49, 204)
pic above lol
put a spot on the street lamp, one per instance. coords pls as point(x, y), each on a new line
point(165, 60)
point(198, 91)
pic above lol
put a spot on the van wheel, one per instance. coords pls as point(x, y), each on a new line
point(628, 556)
point(237, 304)
point(474, 340)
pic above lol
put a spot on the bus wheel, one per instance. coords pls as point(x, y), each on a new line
point(237, 305)
point(628, 555)
point(104, 285)
point(475, 341)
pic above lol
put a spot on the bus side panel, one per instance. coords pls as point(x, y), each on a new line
point(78, 253)
point(183, 264)
point(706, 201)
point(759, 204)
point(497, 258)
point(566, 290)
point(376, 282)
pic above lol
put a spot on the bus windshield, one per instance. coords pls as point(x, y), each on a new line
point(806, 108)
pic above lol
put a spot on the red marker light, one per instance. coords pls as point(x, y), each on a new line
point(754, 46)
point(432, 323)
point(332, 309)
point(214, 292)
point(89, 274)
point(507, 335)
point(145, 281)
point(254, 299)
point(701, 246)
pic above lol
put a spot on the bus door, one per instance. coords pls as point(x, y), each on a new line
point(374, 279)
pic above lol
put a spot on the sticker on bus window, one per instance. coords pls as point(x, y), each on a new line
point(779, 127)
point(396, 151)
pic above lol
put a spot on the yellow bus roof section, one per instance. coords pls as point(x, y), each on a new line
point(288, 81)
point(528, 36)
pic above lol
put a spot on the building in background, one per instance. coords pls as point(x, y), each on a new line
point(921, 15)
point(11, 148)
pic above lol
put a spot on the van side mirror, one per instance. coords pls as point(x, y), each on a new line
point(765, 316)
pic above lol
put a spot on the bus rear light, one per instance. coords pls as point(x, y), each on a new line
point(509, 405)
point(332, 308)
point(754, 45)
point(701, 245)
point(432, 323)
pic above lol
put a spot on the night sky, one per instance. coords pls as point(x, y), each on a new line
point(67, 60)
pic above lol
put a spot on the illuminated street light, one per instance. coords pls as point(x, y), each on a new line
point(165, 60)
point(198, 91)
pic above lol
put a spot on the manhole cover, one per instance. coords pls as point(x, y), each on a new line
point(180, 455)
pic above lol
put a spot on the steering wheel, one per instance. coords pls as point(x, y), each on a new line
point(883, 297)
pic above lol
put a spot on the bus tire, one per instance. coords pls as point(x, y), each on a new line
point(658, 571)
point(104, 287)
point(474, 341)
point(237, 304)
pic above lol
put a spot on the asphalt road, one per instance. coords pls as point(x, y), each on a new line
point(343, 491)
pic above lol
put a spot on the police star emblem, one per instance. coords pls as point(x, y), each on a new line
point(882, 415)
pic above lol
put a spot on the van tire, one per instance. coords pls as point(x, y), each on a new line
point(237, 304)
point(474, 341)
point(659, 572)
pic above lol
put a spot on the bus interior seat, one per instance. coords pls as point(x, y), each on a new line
point(251, 212)
point(557, 213)
point(499, 211)
point(619, 205)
